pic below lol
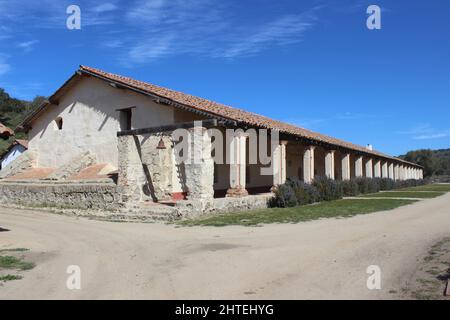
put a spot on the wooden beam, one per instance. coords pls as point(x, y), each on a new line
point(183, 125)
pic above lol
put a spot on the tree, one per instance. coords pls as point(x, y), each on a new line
point(33, 105)
point(424, 158)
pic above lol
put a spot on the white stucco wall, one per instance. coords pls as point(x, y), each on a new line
point(12, 154)
point(90, 122)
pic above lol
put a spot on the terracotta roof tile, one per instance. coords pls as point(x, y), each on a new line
point(230, 113)
point(23, 143)
point(32, 174)
point(5, 131)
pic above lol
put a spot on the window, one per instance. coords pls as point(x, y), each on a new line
point(59, 123)
point(125, 119)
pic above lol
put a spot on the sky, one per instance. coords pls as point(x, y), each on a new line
point(312, 63)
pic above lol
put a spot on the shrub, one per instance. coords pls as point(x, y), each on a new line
point(368, 185)
point(328, 189)
point(293, 193)
point(363, 185)
point(284, 196)
point(387, 184)
point(307, 194)
point(350, 188)
point(410, 183)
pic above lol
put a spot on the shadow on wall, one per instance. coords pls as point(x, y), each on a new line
point(180, 166)
point(148, 189)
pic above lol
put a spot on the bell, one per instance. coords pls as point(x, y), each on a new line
point(161, 144)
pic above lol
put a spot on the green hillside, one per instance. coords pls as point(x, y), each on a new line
point(12, 112)
point(435, 162)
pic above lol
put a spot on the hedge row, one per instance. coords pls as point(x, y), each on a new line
point(296, 193)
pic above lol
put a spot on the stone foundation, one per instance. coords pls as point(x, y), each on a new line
point(90, 198)
point(83, 196)
point(195, 208)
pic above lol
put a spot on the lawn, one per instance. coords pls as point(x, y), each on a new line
point(10, 262)
point(403, 194)
point(429, 187)
point(331, 209)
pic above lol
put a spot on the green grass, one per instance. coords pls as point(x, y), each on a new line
point(14, 250)
point(10, 277)
point(404, 194)
point(10, 262)
point(331, 209)
point(429, 187)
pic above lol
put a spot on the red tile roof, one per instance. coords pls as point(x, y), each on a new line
point(213, 109)
point(23, 143)
point(5, 131)
point(228, 112)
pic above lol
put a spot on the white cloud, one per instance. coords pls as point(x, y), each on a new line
point(112, 44)
point(284, 30)
point(205, 28)
point(433, 136)
point(425, 131)
point(150, 50)
point(105, 7)
point(149, 10)
point(27, 46)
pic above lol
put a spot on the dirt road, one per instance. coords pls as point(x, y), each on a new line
point(324, 259)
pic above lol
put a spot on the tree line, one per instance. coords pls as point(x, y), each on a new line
point(12, 112)
point(435, 162)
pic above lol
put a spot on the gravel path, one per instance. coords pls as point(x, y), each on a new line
point(325, 259)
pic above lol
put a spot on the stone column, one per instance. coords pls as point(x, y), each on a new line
point(384, 170)
point(346, 167)
point(391, 171)
point(279, 164)
point(308, 164)
point(131, 176)
point(359, 167)
point(377, 169)
point(199, 167)
point(402, 172)
point(329, 164)
point(238, 165)
point(369, 168)
point(396, 172)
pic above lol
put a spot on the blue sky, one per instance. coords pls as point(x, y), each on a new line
point(311, 63)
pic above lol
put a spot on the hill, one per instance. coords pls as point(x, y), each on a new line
point(435, 162)
point(12, 112)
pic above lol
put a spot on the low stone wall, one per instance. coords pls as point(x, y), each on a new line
point(83, 196)
point(106, 197)
point(193, 208)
